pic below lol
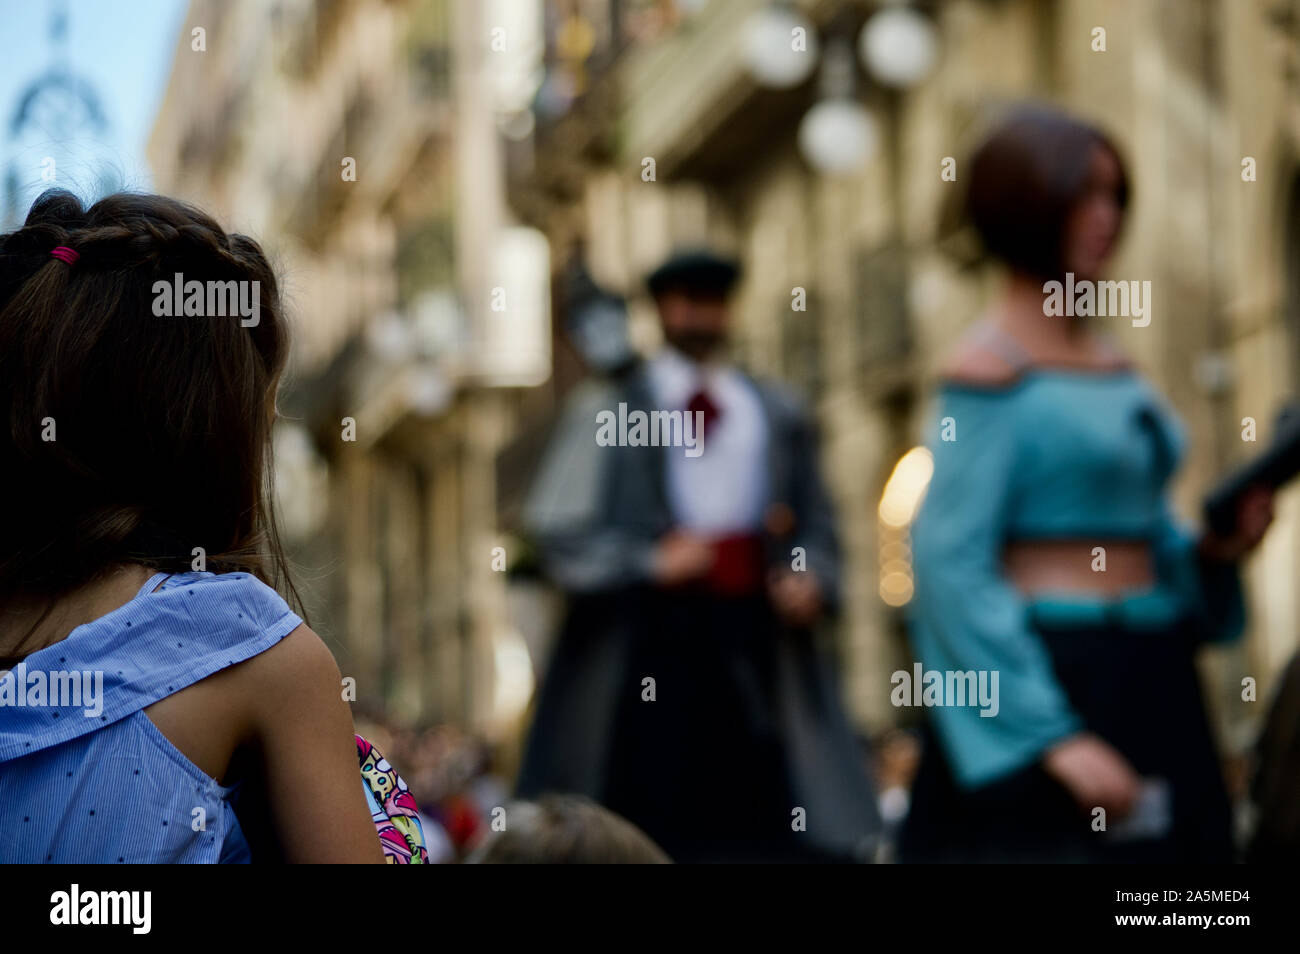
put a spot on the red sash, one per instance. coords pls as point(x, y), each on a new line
point(739, 566)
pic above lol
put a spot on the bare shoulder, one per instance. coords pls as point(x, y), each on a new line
point(302, 653)
point(297, 671)
point(974, 361)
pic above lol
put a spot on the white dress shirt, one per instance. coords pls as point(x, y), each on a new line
point(723, 491)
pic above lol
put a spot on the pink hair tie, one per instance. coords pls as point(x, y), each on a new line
point(65, 254)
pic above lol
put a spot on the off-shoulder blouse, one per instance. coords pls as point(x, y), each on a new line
point(1056, 454)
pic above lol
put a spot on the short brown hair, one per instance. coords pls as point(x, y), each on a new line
point(1023, 180)
point(567, 829)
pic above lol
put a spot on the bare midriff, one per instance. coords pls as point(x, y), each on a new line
point(1095, 567)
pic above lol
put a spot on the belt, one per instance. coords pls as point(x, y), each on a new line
point(1153, 609)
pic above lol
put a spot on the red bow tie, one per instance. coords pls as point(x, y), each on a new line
point(701, 402)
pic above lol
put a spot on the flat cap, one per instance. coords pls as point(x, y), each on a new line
point(695, 270)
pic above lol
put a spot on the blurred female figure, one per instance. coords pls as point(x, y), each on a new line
point(1046, 553)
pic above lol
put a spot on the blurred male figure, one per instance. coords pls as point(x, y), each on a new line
point(686, 692)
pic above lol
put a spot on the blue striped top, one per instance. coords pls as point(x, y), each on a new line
point(85, 776)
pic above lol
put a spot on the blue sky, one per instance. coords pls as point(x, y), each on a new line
point(123, 49)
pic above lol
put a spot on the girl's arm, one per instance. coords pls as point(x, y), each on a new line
point(309, 757)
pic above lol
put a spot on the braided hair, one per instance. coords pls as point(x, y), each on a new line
point(132, 438)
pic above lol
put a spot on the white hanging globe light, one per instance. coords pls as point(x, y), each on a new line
point(898, 46)
point(775, 54)
point(837, 136)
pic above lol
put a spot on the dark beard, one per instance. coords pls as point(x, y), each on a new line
point(698, 345)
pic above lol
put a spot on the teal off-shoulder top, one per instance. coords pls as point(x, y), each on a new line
point(1056, 454)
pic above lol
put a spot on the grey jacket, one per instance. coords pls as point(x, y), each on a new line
point(596, 512)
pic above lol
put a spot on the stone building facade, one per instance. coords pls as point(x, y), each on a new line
point(357, 141)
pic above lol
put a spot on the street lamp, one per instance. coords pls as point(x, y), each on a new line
point(898, 46)
point(838, 135)
point(780, 46)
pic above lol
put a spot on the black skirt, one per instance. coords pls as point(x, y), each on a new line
point(1138, 690)
point(701, 768)
point(705, 768)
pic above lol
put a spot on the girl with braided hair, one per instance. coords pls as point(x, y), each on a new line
point(159, 700)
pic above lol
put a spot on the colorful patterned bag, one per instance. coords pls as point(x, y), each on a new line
point(392, 808)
